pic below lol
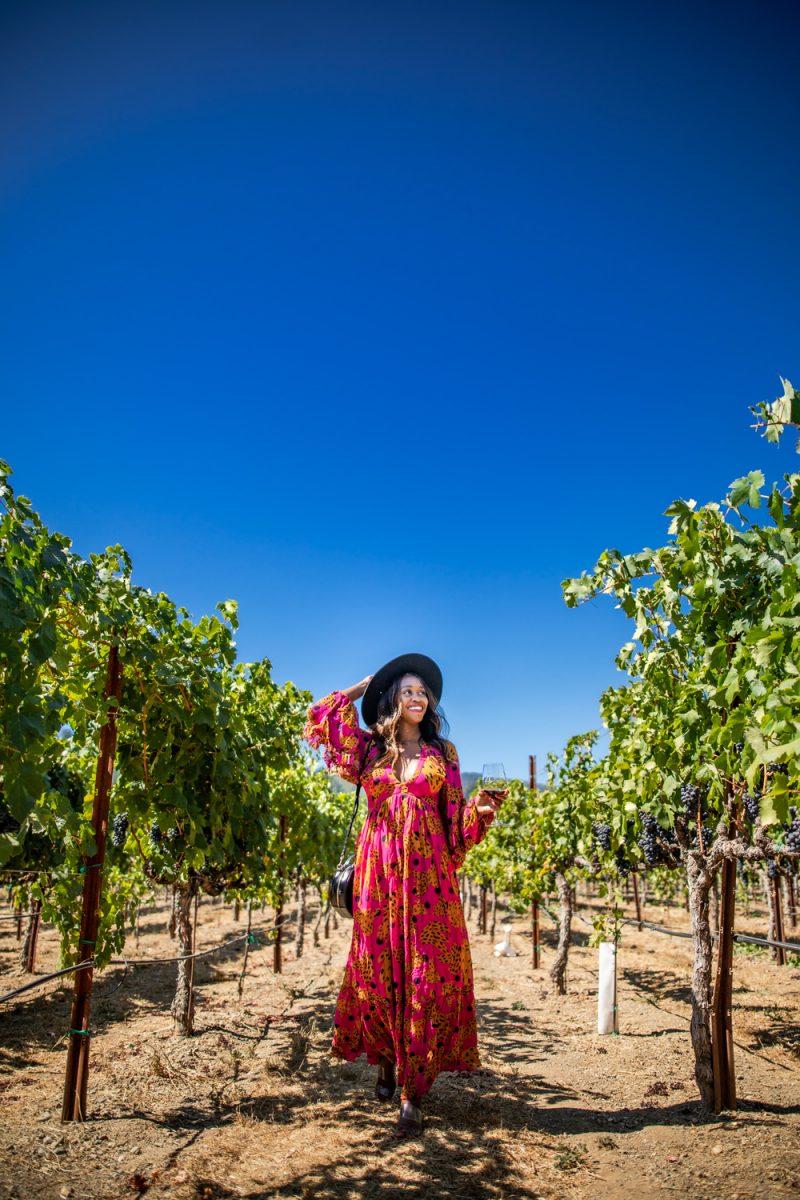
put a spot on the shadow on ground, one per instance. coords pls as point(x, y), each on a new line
point(661, 985)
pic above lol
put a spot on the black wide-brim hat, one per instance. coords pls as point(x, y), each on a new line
point(382, 680)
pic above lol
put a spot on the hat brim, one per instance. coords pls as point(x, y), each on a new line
point(405, 664)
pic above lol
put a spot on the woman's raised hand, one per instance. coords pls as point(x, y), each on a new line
point(357, 690)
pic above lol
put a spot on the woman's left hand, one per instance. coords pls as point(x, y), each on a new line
point(489, 802)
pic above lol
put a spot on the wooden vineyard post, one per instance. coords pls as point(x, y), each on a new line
point(791, 902)
point(777, 910)
point(31, 937)
point(247, 944)
point(301, 916)
point(637, 899)
point(77, 1074)
point(483, 928)
point(537, 959)
point(320, 916)
point(277, 958)
point(193, 960)
point(714, 904)
point(18, 909)
point(754, 897)
point(721, 1025)
point(536, 954)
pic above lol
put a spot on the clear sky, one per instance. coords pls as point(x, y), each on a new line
point(385, 318)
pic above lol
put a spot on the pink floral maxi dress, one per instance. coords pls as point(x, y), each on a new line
point(408, 993)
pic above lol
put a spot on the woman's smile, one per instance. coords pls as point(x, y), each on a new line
point(413, 699)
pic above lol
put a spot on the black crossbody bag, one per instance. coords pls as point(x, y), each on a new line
point(340, 886)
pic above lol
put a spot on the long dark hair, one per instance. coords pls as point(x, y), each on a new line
point(433, 728)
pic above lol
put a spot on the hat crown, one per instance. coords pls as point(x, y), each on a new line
point(405, 664)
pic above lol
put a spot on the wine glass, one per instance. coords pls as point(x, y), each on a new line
point(493, 781)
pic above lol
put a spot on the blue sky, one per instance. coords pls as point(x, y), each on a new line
point(383, 319)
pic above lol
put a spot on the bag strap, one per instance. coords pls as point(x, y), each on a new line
point(342, 856)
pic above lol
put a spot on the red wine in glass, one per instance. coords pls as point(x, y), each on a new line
point(493, 780)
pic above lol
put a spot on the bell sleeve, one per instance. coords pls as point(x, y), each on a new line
point(466, 827)
point(332, 725)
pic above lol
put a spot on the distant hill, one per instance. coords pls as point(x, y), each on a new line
point(469, 779)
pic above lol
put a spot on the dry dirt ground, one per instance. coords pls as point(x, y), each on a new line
point(252, 1105)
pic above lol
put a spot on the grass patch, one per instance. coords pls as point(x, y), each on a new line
point(571, 1158)
point(750, 949)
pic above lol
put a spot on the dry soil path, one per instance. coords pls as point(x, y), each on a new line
point(254, 1107)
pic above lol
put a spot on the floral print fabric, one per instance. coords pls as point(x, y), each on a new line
point(408, 992)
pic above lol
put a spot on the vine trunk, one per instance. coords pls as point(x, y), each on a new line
point(558, 971)
point(183, 1003)
point(699, 886)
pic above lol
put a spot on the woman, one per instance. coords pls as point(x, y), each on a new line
point(407, 1000)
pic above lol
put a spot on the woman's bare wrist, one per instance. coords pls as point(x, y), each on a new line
point(357, 690)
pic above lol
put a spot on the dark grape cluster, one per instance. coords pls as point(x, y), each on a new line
point(156, 836)
point(793, 831)
point(172, 842)
point(774, 769)
point(623, 864)
point(649, 838)
point(772, 870)
point(119, 831)
point(602, 834)
point(752, 802)
point(690, 798)
point(658, 845)
point(738, 747)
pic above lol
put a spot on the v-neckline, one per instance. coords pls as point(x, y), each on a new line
point(420, 756)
